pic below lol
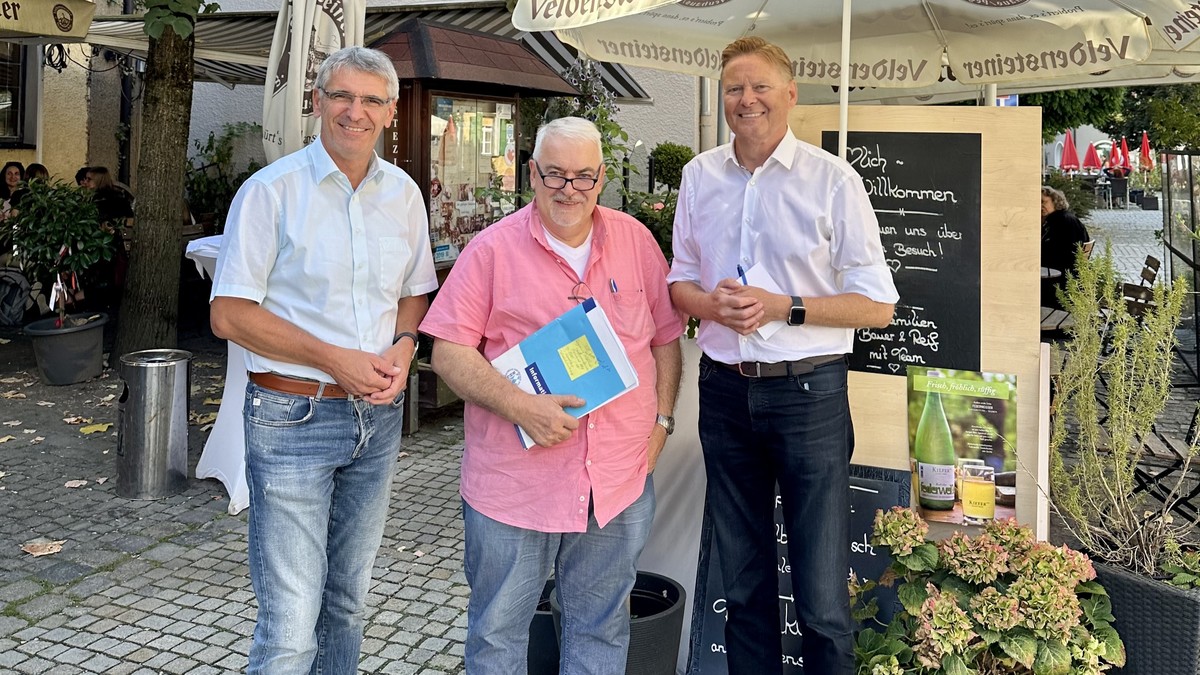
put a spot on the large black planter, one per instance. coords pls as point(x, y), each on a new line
point(1159, 623)
point(656, 622)
point(68, 355)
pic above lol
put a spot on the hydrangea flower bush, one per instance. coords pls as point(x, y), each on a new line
point(997, 602)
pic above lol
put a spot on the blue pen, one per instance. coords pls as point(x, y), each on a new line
point(741, 274)
point(612, 283)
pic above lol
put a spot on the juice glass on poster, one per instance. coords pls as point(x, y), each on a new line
point(978, 494)
point(958, 474)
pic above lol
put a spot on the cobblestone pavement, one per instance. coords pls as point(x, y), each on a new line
point(162, 586)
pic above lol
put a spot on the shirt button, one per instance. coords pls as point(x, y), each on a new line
point(589, 462)
point(591, 426)
point(581, 510)
point(747, 221)
point(582, 498)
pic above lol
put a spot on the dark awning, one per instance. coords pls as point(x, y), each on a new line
point(232, 47)
point(423, 49)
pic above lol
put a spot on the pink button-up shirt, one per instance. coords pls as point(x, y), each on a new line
point(508, 283)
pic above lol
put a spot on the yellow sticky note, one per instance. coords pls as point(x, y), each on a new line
point(578, 358)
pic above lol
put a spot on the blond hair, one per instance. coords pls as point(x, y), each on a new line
point(756, 46)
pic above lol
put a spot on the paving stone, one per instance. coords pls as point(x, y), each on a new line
point(19, 590)
point(12, 624)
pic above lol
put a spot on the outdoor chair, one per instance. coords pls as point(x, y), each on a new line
point(1150, 271)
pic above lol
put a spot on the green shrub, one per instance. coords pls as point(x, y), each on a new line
point(669, 160)
point(1079, 194)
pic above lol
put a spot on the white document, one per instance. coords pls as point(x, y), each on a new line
point(757, 276)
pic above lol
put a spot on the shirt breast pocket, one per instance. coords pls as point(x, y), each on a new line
point(393, 260)
point(632, 313)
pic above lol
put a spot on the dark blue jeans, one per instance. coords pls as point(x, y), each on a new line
point(794, 431)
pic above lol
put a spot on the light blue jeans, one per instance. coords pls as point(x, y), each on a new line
point(594, 571)
point(320, 473)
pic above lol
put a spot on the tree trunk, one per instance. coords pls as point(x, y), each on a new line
point(150, 307)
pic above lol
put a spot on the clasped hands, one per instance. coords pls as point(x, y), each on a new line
point(739, 307)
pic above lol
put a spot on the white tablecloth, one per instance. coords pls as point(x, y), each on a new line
point(224, 456)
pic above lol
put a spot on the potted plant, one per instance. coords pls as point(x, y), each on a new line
point(998, 602)
point(1114, 383)
point(57, 237)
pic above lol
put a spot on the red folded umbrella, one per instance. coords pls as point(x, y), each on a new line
point(1114, 156)
point(1147, 159)
point(1070, 158)
point(1091, 158)
point(1125, 155)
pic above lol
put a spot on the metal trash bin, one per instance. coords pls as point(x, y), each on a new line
point(152, 423)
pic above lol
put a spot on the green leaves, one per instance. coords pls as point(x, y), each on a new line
point(912, 596)
point(1020, 644)
point(178, 15)
point(923, 558)
point(1053, 658)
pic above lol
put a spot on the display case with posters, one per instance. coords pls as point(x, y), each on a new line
point(472, 148)
point(1181, 196)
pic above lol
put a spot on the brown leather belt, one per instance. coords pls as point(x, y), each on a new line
point(780, 369)
point(292, 385)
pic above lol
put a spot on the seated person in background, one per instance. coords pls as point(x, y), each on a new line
point(1062, 234)
point(108, 277)
point(34, 172)
point(81, 175)
point(14, 175)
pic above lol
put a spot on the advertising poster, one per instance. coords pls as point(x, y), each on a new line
point(962, 442)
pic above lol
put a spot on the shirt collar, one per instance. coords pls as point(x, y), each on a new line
point(784, 153)
point(323, 165)
point(538, 232)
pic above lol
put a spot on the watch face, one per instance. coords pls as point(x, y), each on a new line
point(796, 317)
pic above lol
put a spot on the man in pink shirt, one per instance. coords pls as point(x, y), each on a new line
point(581, 501)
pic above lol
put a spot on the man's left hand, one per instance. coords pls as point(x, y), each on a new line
point(401, 358)
point(658, 438)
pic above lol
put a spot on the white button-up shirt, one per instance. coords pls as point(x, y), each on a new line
point(804, 216)
point(331, 259)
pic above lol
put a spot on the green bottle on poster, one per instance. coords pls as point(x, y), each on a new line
point(934, 452)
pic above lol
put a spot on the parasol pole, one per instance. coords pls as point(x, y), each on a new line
point(989, 94)
point(844, 82)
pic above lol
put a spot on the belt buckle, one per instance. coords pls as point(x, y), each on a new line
point(757, 369)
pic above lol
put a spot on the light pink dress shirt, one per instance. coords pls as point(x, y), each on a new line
point(508, 283)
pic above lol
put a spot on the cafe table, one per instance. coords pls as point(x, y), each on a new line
point(224, 455)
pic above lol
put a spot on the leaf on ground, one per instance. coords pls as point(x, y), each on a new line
point(418, 554)
point(93, 428)
point(5, 439)
point(37, 439)
point(193, 390)
point(4, 341)
point(29, 431)
point(12, 380)
point(42, 546)
point(75, 483)
point(12, 423)
point(205, 364)
point(108, 398)
point(112, 386)
point(402, 455)
point(12, 394)
point(77, 419)
point(206, 427)
point(101, 480)
point(3, 474)
point(212, 401)
point(46, 404)
point(198, 419)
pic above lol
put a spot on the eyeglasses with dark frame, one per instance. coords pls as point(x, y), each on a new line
point(346, 98)
point(580, 183)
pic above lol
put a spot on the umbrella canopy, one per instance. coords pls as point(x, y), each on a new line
point(1114, 156)
point(1070, 158)
point(1091, 158)
point(894, 43)
point(1125, 164)
point(306, 31)
point(61, 20)
point(1147, 159)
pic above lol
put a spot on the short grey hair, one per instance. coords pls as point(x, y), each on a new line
point(1056, 196)
point(576, 128)
point(371, 61)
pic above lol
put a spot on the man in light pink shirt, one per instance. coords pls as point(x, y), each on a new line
point(581, 501)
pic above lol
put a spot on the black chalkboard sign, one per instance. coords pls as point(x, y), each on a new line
point(871, 488)
point(925, 188)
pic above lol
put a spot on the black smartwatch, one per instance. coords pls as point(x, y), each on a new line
point(796, 315)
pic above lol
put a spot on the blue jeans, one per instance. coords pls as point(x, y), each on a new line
point(320, 474)
point(794, 431)
point(594, 571)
